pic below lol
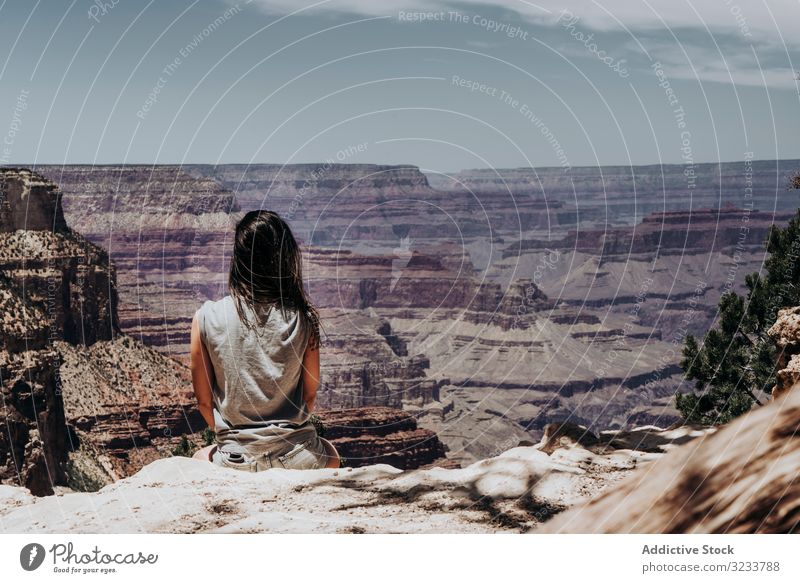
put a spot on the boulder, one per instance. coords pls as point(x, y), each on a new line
point(785, 332)
point(741, 478)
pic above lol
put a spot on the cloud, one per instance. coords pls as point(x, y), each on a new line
point(698, 25)
point(724, 65)
point(752, 19)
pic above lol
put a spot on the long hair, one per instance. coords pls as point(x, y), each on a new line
point(267, 271)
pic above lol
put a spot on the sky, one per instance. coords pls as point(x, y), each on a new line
point(443, 85)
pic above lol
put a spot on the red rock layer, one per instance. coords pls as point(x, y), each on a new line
point(380, 435)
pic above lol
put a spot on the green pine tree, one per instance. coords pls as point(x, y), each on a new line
point(736, 360)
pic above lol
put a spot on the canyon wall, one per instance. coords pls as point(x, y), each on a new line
point(165, 233)
point(616, 195)
point(737, 478)
point(55, 286)
point(73, 386)
point(86, 404)
point(485, 304)
point(381, 435)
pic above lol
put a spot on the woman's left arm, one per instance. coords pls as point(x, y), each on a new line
point(202, 371)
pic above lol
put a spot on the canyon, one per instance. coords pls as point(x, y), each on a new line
point(485, 304)
point(85, 404)
point(527, 392)
point(81, 400)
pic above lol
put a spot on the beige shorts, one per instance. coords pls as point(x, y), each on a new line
point(315, 453)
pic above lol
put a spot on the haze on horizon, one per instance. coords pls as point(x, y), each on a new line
point(439, 85)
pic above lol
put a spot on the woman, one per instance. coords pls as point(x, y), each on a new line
point(255, 356)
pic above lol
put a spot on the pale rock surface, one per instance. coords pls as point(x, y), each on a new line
point(514, 491)
point(785, 332)
point(742, 478)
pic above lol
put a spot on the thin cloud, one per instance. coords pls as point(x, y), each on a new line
point(752, 20)
point(723, 65)
point(735, 25)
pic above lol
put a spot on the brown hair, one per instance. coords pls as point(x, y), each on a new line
point(266, 270)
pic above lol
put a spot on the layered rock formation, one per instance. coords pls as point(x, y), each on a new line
point(33, 443)
point(78, 397)
point(55, 267)
point(488, 366)
point(54, 285)
point(166, 234)
point(321, 201)
point(625, 194)
point(126, 405)
point(29, 203)
point(513, 298)
point(380, 435)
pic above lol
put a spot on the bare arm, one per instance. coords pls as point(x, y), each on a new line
point(202, 371)
point(310, 376)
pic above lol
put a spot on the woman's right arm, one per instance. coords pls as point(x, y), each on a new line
point(310, 376)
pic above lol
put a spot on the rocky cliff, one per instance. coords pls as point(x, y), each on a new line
point(85, 404)
point(165, 233)
point(513, 299)
point(513, 492)
point(391, 200)
point(785, 333)
point(738, 478)
point(73, 387)
point(34, 440)
point(380, 435)
point(54, 286)
point(625, 194)
point(29, 202)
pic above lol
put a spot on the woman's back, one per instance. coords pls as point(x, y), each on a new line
point(255, 355)
point(257, 376)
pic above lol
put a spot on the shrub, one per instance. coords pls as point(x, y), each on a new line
point(184, 448)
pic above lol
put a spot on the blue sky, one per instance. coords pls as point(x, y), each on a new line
point(442, 85)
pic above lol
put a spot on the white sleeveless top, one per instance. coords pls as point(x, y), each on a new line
point(257, 383)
